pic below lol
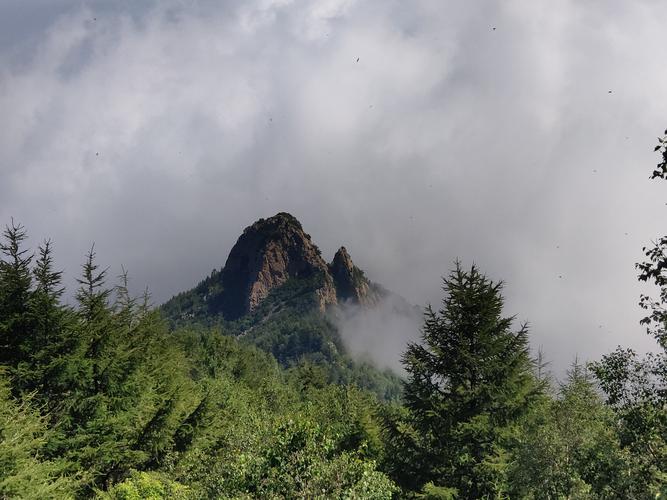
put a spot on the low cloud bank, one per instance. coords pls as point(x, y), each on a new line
point(380, 334)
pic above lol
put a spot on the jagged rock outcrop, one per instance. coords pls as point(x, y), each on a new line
point(351, 284)
point(275, 254)
point(266, 255)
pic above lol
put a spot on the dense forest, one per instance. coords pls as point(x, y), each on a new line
point(110, 398)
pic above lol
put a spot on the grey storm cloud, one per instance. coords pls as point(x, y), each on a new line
point(514, 134)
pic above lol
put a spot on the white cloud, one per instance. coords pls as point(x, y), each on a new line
point(380, 334)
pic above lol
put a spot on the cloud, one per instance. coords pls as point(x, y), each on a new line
point(380, 334)
point(413, 133)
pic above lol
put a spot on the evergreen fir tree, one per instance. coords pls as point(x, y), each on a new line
point(15, 289)
point(46, 296)
point(95, 314)
point(49, 344)
point(469, 383)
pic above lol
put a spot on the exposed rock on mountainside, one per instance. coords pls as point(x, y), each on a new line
point(275, 255)
point(351, 284)
point(266, 255)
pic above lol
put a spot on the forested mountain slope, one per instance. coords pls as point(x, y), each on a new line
point(276, 291)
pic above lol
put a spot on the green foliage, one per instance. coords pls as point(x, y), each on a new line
point(433, 492)
point(302, 461)
point(137, 411)
point(243, 424)
point(25, 472)
point(635, 391)
point(660, 171)
point(146, 486)
point(283, 458)
point(200, 304)
point(113, 381)
point(637, 388)
point(106, 398)
point(47, 335)
point(570, 447)
point(470, 382)
point(15, 287)
point(288, 325)
point(131, 386)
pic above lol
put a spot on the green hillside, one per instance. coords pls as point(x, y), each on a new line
point(288, 325)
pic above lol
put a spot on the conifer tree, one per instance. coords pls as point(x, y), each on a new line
point(570, 446)
point(469, 382)
point(50, 342)
point(15, 289)
point(95, 314)
point(46, 296)
point(131, 393)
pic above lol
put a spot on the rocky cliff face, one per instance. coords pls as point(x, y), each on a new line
point(266, 255)
point(351, 284)
point(269, 254)
point(273, 250)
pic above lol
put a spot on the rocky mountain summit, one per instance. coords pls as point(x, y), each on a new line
point(351, 284)
point(267, 256)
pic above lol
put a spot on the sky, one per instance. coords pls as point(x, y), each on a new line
point(514, 134)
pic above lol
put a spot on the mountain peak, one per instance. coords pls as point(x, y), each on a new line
point(281, 221)
point(351, 284)
point(270, 253)
point(266, 255)
point(342, 260)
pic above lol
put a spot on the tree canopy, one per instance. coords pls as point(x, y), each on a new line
point(469, 383)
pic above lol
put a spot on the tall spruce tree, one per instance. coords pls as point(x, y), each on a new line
point(469, 383)
point(95, 316)
point(49, 341)
point(15, 290)
point(46, 297)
